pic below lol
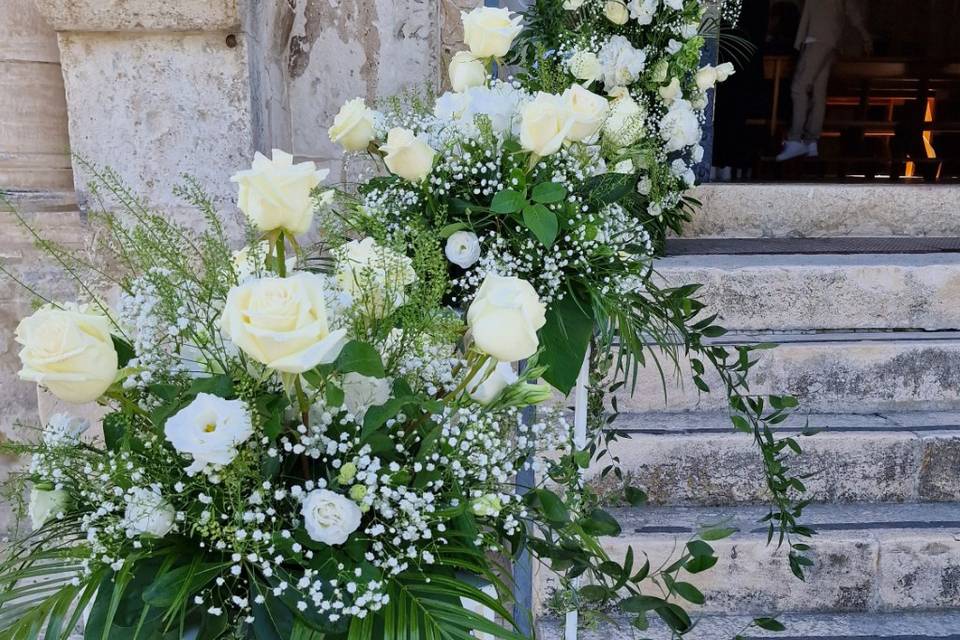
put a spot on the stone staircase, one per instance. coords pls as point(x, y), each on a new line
point(869, 342)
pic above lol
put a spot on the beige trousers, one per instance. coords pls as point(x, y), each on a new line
point(809, 90)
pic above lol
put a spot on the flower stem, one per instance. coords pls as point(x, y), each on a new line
point(281, 263)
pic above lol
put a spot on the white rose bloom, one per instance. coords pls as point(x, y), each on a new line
point(209, 429)
point(706, 77)
point(329, 517)
point(680, 169)
point(282, 322)
point(148, 513)
point(463, 248)
point(245, 261)
point(505, 316)
point(724, 71)
point(353, 126)
point(68, 351)
point(697, 153)
point(622, 63)
point(64, 430)
point(616, 11)
point(545, 123)
point(362, 392)
point(275, 193)
point(680, 127)
point(588, 111)
point(585, 65)
point(46, 505)
point(374, 274)
point(573, 5)
point(489, 32)
point(487, 385)
point(625, 125)
point(671, 92)
point(643, 11)
point(466, 70)
point(407, 155)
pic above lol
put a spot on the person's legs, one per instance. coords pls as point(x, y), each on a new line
point(818, 102)
point(800, 89)
point(809, 94)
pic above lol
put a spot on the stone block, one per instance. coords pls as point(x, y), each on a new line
point(141, 15)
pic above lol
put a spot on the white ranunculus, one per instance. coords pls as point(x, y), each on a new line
point(353, 126)
point(64, 430)
point(245, 261)
point(680, 127)
point(466, 70)
point(46, 505)
point(624, 125)
point(724, 71)
point(463, 248)
point(643, 11)
point(487, 384)
point(622, 63)
point(329, 517)
point(68, 351)
point(362, 392)
point(585, 65)
point(282, 322)
point(148, 513)
point(671, 92)
point(545, 123)
point(209, 429)
point(407, 155)
point(489, 32)
point(275, 193)
point(706, 77)
point(374, 274)
point(505, 316)
point(588, 111)
point(616, 11)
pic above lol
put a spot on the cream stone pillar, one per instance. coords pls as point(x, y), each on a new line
point(156, 89)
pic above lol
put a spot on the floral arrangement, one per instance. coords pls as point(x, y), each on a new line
point(320, 440)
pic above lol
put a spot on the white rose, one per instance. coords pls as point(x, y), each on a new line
point(489, 32)
point(147, 513)
point(275, 193)
point(251, 261)
point(374, 274)
point(505, 316)
point(46, 505)
point(209, 429)
point(616, 12)
point(487, 384)
point(466, 70)
point(584, 65)
point(68, 351)
point(362, 392)
point(463, 248)
point(724, 71)
point(353, 126)
point(407, 155)
point(329, 517)
point(282, 322)
point(706, 77)
point(64, 430)
point(588, 111)
point(545, 123)
point(643, 11)
point(573, 5)
point(671, 92)
point(624, 126)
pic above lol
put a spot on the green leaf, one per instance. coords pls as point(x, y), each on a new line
point(178, 584)
point(600, 523)
point(548, 192)
point(553, 507)
point(360, 357)
point(675, 617)
point(507, 201)
point(564, 339)
point(220, 385)
point(699, 548)
point(125, 352)
point(451, 229)
point(114, 430)
point(608, 188)
point(334, 395)
point(542, 223)
point(636, 497)
point(689, 592)
point(770, 624)
point(717, 533)
point(700, 564)
point(640, 604)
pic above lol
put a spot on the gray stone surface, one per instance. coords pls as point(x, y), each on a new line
point(141, 15)
point(798, 292)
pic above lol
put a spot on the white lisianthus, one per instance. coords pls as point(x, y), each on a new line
point(573, 5)
point(407, 155)
point(275, 193)
point(673, 47)
point(505, 316)
point(466, 70)
point(282, 322)
point(46, 505)
point(671, 92)
point(64, 430)
point(643, 11)
point(463, 248)
point(499, 102)
point(696, 153)
point(329, 517)
point(680, 169)
point(489, 32)
point(245, 261)
point(616, 12)
point(362, 392)
point(585, 65)
point(680, 127)
point(148, 513)
point(624, 126)
point(488, 506)
point(353, 126)
point(588, 111)
point(545, 123)
point(487, 385)
point(69, 351)
point(622, 63)
point(374, 274)
point(209, 429)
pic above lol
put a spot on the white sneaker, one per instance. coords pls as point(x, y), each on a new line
point(792, 149)
point(812, 150)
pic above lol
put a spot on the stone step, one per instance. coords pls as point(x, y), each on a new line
point(827, 372)
point(698, 459)
point(867, 558)
point(802, 292)
point(824, 210)
point(924, 625)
